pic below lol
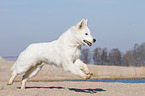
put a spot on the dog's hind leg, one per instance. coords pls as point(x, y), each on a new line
point(13, 76)
point(33, 71)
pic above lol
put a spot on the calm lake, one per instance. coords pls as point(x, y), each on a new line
point(121, 80)
point(116, 80)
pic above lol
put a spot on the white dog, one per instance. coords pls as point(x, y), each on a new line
point(63, 52)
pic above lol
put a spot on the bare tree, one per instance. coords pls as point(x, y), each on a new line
point(97, 54)
point(129, 59)
point(135, 55)
point(115, 57)
point(141, 54)
point(104, 56)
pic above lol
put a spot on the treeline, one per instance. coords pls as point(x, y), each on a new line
point(99, 56)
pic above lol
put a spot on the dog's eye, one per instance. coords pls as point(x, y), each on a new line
point(86, 33)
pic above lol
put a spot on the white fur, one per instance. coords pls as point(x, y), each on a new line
point(63, 52)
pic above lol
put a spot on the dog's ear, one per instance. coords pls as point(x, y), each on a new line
point(81, 24)
point(87, 22)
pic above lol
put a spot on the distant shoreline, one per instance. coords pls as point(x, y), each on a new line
point(55, 80)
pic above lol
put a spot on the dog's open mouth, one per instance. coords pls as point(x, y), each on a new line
point(88, 43)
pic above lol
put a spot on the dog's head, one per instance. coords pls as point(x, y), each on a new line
point(83, 33)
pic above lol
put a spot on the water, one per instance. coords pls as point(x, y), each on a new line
point(10, 58)
point(121, 80)
point(115, 80)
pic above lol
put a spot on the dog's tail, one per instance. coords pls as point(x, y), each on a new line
point(13, 67)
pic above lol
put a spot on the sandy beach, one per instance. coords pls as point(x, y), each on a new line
point(35, 86)
point(73, 89)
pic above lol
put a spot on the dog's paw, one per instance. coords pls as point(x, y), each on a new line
point(88, 77)
point(89, 73)
point(9, 82)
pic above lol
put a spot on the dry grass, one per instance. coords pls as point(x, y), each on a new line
point(53, 73)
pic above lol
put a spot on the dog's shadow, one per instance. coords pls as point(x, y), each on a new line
point(89, 90)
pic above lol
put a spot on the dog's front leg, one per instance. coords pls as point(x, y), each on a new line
point(83, 66)
point(75, 70)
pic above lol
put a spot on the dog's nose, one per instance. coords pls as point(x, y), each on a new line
point(94, 40)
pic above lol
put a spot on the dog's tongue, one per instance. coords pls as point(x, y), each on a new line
point(90, 44)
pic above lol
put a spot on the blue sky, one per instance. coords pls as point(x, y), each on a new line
point(114, 23)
